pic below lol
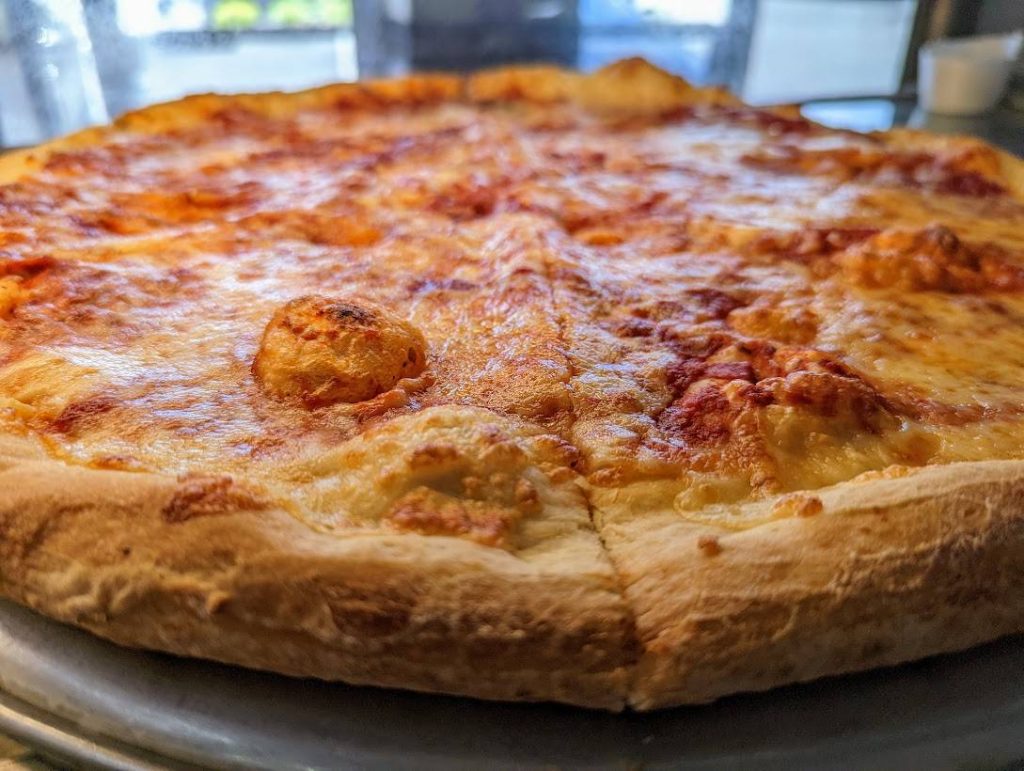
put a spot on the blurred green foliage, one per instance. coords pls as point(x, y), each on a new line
point(247, 14)
point(235, 14)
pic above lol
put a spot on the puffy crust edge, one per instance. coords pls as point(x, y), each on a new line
point(262, 590)
point(627, 86)
point(1009, 171)
point(608, 89)
point(892, 570)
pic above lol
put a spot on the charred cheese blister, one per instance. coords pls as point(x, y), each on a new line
point(324, 351)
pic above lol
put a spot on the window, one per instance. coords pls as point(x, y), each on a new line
point(803, 49)
point(68, 63)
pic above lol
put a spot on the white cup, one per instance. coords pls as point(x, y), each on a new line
point(965, 77)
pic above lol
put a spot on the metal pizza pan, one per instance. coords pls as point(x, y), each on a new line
point(96, 704)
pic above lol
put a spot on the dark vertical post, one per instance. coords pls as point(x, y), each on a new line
point(117, 56)
point(464, 34)
point(732, 45)
point(58, 66)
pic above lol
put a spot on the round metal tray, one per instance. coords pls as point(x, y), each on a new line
point(91, 702)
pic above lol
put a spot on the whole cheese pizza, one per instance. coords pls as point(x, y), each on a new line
point(533, 385)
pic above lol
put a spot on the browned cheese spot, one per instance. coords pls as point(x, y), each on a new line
point(709, 545)
point(323, 351)
point(205, 496)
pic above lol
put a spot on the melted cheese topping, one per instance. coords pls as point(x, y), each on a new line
point(732, 301)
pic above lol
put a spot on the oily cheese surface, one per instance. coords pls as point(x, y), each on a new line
point(586, 341)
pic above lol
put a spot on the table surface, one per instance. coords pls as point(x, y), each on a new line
point(1003, 127)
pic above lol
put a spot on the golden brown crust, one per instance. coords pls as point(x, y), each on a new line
point(15, 165)
point(864, 574)
point(539, 84)
point(998, 163)
point(195, 109)
point(871, 573)
point(636, 87)
point(114, 552)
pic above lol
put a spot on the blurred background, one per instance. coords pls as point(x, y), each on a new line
point(69, 63)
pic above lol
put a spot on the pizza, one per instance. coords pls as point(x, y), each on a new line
point(532, 385)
